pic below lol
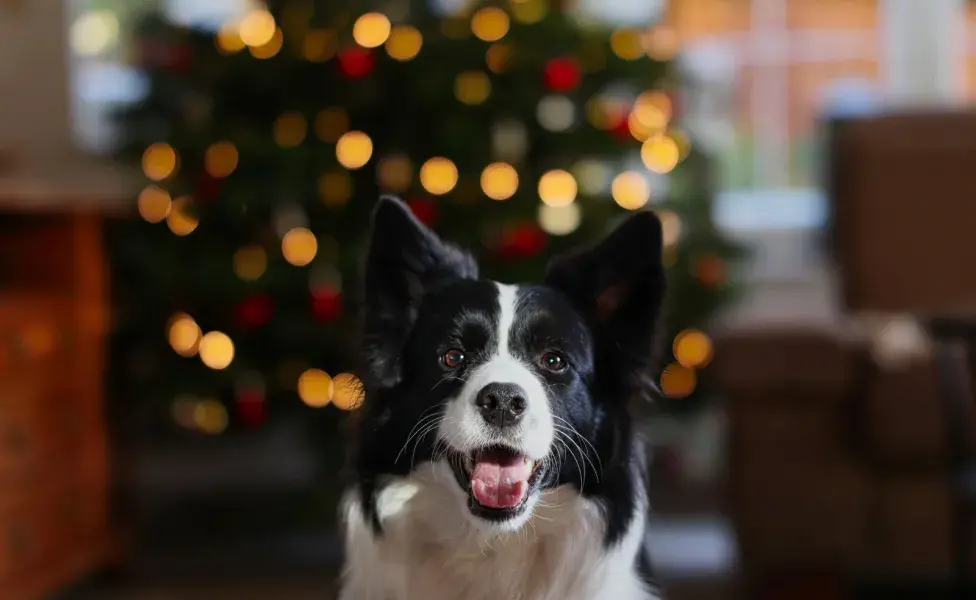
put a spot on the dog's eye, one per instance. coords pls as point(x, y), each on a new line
point(553, 361)
point(452, 358)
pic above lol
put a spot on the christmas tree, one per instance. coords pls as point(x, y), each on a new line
point(510, 128)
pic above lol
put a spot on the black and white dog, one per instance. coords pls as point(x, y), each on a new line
point(495, 456)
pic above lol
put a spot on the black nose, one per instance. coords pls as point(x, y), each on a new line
point(501, 404)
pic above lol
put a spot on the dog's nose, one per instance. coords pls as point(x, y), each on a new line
point(501, 404)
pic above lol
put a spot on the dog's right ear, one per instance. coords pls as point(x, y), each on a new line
point(405, 261)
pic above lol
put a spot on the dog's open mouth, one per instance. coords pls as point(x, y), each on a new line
point(499, 481)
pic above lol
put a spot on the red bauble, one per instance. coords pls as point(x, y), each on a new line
point(424, 209)
point(523, 241)
point(563, 74)
point(621, 130)
point(356, 62)
point(252, 408)
point(180, 58)
point(326, 302)
point(255, 311)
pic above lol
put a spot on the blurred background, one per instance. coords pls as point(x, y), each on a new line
point(184, 194)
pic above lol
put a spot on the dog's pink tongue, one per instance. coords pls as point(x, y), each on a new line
point(500, 480)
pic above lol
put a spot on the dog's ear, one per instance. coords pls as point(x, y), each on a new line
point(618, 285)
point(405, 261)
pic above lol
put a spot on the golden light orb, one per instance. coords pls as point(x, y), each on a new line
point(299, 246)
point(630, 190)
point(320, 45)
point(315, 388)
point(660, 154)
point(678, 381)
point(216, 350)
point(221, 159)
point(395, 172)
point(250, 262)
point(159, 161)
point(560, 220)
point(626, 44)
point(347, 392)
point(472, 87)
point(154, 204)
point(557, 188)
point(257, 28)
point(438, 176)
point(693, 349)
point(354, 149)
point(183, 334)
point(405, 43)
point(499, 181)
point(290, 129)
point(335, 188)
point(490, 24)
point(228, 38)
point(181, 220)
point(270, 49)
point(371, 30)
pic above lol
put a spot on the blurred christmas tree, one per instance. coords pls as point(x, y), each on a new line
point(510, 128)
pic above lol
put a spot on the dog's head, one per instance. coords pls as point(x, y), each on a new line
point(511, 389)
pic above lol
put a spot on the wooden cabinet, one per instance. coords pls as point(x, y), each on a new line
point(55, 475)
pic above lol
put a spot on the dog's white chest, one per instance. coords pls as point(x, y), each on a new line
point(429, 551)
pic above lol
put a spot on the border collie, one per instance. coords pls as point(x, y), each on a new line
point(495, 456)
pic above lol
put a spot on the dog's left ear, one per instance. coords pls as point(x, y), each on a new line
point(618, 285)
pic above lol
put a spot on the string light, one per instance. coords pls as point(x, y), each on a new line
point(626, 44)
point(557, 188)
point(560, 220)
point(438, 176)
point(395, 172)
point(320, 45)
point(653, 105)
point(490, 24)
point(371, 30)
point(228, 38)
point(498, 57)
point(221, 159)
point(630, 190)
point(290, 129)
point(257, 28)
point(529, 11)
point(499, 181)
point(660, 154)
point(154, 204)
point(335, 188)
point(354, 149)
point(183, 334)
point(210, 417)
point(678, 381)
point(315, 388)
point(661, 43)
point(472, 87)
point(331, 123)
point(347, 392)
point(216, 350)
point(250, 262)
point(180, 220)
point(405, 43)
point(159, 161)
point(299, 246)
point(271, 49)
point(693, 349)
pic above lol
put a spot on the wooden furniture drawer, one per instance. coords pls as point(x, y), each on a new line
point(36, 331)
point(26, 436)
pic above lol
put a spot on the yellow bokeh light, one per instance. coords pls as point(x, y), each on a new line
point(271, 49)
point(94, 32)
point(682, 140)
point(499, 181)
point(183, 334)
point(347, 392)
point(472, 87)
point(557, 188)
point(660, 154)
point(653, 105)
point(490, 24)
point(228, 38)
point(438, 176)
point(630, 190)
point(498, 57)
point(693, 349)
point(395, 172)
point(181, 220)
point(250, 262)
point(560, 220)
point(210, 417)
point(315, 388)
point(216, 350)
point(678, 381)
point(154, 204)
point(159, 161)
point(184, 411)
point(299, 246)
point(290, 129)
point(638, 129)
point(221, 159)
point(405, 43)
point(529, 11)
point(331, 123)
point(626, 43)
point(257, 28)
point(320, 45)
point(335, 188)
point(354, 149)
point(662, 43)
point(670, 228)
point(371, 30)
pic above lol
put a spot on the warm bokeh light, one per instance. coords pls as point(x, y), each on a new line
point(335, 188)
point(159, 161)
point(154, 204)
point(320, 45)
point(626, 43)
point(438, 176)
point(653, 105)
point(660, 154)
point(530, 11)
point(331, 123)
point(499, 181)
point(315, 388)
point(210, 417)
point(395, 172)
point(693, 349)
point(257, 28)
point(490, 24)
point(347, 392)
point(290, 129)
point(181, 220)
point(498, 57)
point(216, 350)
point(405, 43)
point(661, 43)
point(472, 87)
point(250, 262)
point(560, 220)
point(354, 149)
point(94, 33)
point(184, 411)
point(221, 159)
point(670, 227)
point(556, 113)
point(678, 381)
point(183, 334)
point(630, 190)
point(557, 188)
point(299, 246)
point(371, 30)
point(228, 38)
point(271, 49)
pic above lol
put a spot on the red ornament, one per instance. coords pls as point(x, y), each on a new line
point(563, 74)
point(523, 241)
point(326, 302)
point(356, 62)
point(710, 270)
point(180, 58)
point(252, 408)
point(255, 311)
point(621, 130)
point(424, 209)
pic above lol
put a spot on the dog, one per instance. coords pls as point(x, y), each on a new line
point(495, 456)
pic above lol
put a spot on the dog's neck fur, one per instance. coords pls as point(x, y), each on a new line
point(429, 549)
